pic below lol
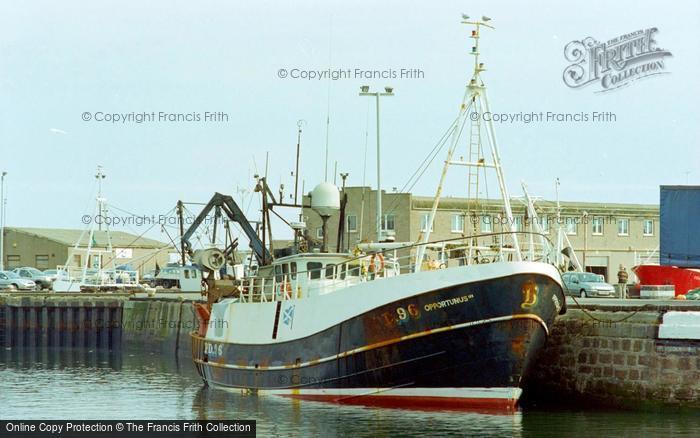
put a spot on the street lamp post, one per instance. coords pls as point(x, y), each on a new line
point(585, 238)
point(388, 91)
point(2, 221)
point(100, 202)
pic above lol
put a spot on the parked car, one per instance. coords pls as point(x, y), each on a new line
point(587, 284)
point(12, 280)
point(693, 294)
point(54, 273)
point(42, 280)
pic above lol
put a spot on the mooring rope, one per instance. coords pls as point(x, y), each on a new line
point(595, 318)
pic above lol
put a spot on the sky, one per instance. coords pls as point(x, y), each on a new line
point(61, 60)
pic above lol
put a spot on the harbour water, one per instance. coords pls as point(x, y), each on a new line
point(79, 384)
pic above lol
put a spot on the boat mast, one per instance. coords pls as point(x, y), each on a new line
point(535, 226)
point(474, 98)
point(560, 243)
point(99, 177)
point(563, 239)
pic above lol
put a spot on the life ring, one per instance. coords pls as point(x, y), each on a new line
point(373, 266)
point(285, 287)
point(203, 314)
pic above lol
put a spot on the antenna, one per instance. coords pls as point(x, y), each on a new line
point(328, 103)
point(300, 123)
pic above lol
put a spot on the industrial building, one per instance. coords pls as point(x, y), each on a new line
point(45, 248)
point(603, 235)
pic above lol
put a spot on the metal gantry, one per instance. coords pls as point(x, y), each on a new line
point(475, 101)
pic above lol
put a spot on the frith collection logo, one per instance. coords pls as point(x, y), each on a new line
point(615, 63)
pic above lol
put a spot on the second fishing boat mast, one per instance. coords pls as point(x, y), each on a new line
point(474, 104)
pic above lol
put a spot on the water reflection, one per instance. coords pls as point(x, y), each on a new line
point(57, 384)
point(277, 415)
point(60, 384)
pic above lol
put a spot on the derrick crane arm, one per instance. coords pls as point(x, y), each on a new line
point(234, 213)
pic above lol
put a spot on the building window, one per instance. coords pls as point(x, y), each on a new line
point(623, 227)
point(518, 223)
point(486, 224)
point(76, 260)
point(41, 262)
point(570, 226)
point(597, 226)
point(13, 262)
point(352, 223)
point(424, 219)
point(319, 233)
point(388, 222)
point(648, 227)
point(457, 223)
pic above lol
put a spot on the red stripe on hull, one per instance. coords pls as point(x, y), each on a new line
point(485, 405)
point(684, 279)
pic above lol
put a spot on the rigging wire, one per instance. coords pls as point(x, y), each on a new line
point(423, 166)
point(139, 236)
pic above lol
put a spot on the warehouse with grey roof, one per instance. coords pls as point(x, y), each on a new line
point(46, 248)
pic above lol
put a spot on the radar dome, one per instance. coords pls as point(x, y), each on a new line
point(325, 199)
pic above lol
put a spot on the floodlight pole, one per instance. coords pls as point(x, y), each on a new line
point(388, 92)
point(2, 221)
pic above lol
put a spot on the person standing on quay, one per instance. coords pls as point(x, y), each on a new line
point(622, 277)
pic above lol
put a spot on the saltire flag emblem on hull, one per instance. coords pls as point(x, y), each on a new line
point(288, 317)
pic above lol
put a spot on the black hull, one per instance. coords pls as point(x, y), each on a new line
point(475, 335)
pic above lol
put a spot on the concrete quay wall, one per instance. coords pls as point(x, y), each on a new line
point(97, 321)
point(160, 325)
point(61, 321)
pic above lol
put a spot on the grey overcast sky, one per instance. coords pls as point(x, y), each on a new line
point(61, 59)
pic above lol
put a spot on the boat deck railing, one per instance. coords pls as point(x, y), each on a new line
point(379, 265)
point(97, 277)
point(647, 258)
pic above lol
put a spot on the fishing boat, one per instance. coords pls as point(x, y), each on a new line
point(677, 259)
point(682, 279)
point(97, 270)
point(436, 324)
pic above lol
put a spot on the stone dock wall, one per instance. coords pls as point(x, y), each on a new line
point(607, 355)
